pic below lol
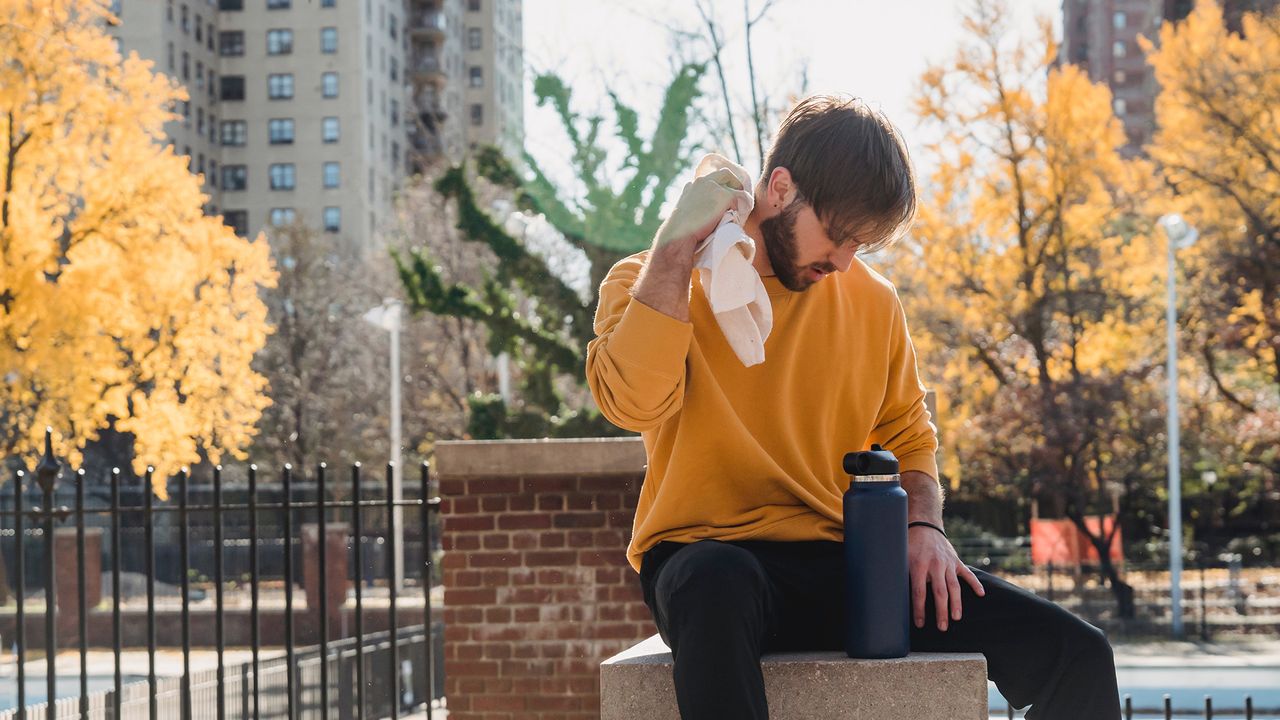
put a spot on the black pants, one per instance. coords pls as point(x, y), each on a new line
point(720, 605)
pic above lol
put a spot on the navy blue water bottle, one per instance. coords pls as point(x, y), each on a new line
point(876, 579)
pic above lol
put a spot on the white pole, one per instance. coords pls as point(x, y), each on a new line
point(397, 472)
point(1175, 479)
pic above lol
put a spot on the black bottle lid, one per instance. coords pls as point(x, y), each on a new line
point(874, 462)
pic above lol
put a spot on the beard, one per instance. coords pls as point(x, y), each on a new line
point(780, 246)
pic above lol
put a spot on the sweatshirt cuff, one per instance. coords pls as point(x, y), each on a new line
point(649, 339)
point(921, 462)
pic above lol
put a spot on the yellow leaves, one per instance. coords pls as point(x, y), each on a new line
point(124, 307)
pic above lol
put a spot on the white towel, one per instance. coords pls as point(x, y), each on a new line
point(731, 283)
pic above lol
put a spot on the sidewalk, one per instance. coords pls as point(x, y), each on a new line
point(1243, 653)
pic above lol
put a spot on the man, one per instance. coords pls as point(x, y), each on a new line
point(739, 526)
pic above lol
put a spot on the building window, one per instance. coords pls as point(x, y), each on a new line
point(477, 114)
point(186, 65)
point(332, 175)
point(233, 132)
point(477, 76)
point(328, 3)
point(168, 11)
point(199, 75)
point(332, 219)
point(280, 131)
point(200, 163)
point(199, 29)
point(280, 86)
point(235, 177)
point(391, 27)
point(279, 42)
point(282, 176)
point(1118, 21)
point(232, 87)
point(208, 37)
point(1120, 106)
point(186, 113)
point(278, 4)
point(329, 129)
point(329, 40)
point(473, 5)
point(395, 70)
point(213, 172)
point(395, 112)
point(172, 63)
point(200, 121)
point(237, 220)
point(329, 84)
point(231, 43)
point(1118, 49)
point(186, 21)
point(213, 93)
point(473, 39)
point(282, 216)
point(213, 128)
point(230, 4)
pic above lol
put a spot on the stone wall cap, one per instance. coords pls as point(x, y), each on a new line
point(541, 456)
point(653, 651)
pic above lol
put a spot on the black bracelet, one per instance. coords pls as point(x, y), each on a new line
point(927, 524)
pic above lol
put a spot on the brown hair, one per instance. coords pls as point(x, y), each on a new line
point(851, 166)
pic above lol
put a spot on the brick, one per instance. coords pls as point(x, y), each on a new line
point(553, 702)
point(494, 559)
point(467, 523)
point(524, 540)
point(526, 615)
point(578, 520)
point(551, 502)
point(595, 558)
point(467, 615)
point(497, 685)
point(611, 538)
point(630, 502)
point(494, 577)
point(551, 577)
point(456, 633)
point(497, 651)
point(640, 613)
point(496, 541)
point(493, 503)
point(581, 538)
point(500, 615)
point(465, 579)
point(477, 668)
point(621, 519)
point(452, 486)
point(525, 650)
point(524, 522)
point(580, 501)
point(464, 541)
point(588, 685)
point(472, 684)
point(551, 686)
point(620, 631)
point(607, 501)
point(528, 685)
point(492, 485)
point(520, 503)
point(609, 575)
point(470, 651)
point(551, 540)
point(549, 484)
point(534, 558)
point(552, 650)
point(473, 596)
point(611, 612)
point(453, 561)
point(465, 505)
point(529, 596)
point(498, 702)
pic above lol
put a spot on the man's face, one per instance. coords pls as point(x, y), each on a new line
point(799, 248)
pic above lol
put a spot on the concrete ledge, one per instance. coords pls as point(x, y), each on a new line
point(636, 684)
point(525, 458)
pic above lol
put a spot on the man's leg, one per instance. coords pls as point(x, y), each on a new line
point(1037, 653)
point(713, 604)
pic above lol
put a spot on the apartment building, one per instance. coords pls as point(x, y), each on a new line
point(467, 59)
point(315, 110)
point(1101, 36)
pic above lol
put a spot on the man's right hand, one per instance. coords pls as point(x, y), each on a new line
point(697, 214)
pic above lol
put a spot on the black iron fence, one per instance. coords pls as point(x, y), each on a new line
point(355, 672)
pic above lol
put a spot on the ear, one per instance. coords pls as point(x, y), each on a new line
point(781, 190)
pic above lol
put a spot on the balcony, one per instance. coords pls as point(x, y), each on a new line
point(429, 22)
point(427, 67)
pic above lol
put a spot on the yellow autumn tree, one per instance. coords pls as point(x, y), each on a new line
point(1218, 145)
point(1032, 278)
point(122, 305)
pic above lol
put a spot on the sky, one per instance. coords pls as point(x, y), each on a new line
point(873, 49)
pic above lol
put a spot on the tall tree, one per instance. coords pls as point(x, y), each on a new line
point(122, 306)
point(528, 311)
point(1218, 144)
point(1034, 277)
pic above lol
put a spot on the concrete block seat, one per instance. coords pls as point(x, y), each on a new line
point(636, 684)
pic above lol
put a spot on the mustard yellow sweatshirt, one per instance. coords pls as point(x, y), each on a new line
point(737, 452)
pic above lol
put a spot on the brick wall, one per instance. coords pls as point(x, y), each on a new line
point(538, 591)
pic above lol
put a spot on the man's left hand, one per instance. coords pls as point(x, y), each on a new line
point(933, 562)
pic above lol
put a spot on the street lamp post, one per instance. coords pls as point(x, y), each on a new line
point(1179, 235)
point(387, 317)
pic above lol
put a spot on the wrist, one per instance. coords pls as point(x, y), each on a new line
point(927, 525)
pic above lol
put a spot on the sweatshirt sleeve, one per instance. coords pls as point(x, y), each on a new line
point(636, 363)
point(903, 424)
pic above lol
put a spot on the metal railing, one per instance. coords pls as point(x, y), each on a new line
point(297, 666)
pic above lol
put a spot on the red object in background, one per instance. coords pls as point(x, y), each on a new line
point(1061, 543)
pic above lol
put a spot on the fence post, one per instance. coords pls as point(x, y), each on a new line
point(46, 475)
